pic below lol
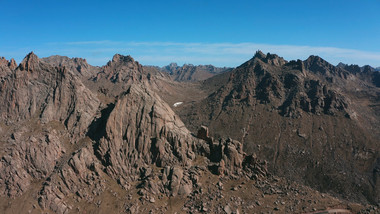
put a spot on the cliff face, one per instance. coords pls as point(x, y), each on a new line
point(37, 89)
point(99, 139)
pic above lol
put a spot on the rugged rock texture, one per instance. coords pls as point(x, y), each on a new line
point(81, 139)
point(38, 89)
point(78, 65)
point(121, 69)
point(147, 131)
point(5, 67)
point(308, 119)
point(366, 73)
point(141, 133)
point(28, 159)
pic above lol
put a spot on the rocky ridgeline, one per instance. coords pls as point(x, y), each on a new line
point(141, 134)
point(70, 131)
point(267, 100)
point(287, 86)
point(78, 66)
point(189, 72)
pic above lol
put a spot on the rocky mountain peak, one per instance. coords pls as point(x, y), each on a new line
point(173, 65)
point(77, 65)
point(122, 69)
point(3, 61)
point(30, 62)
point(259, 55)
point(341, 65)
point(117, 58)
point(354, 69)
point(269, 58)
point(316, 61)
point(325, 70)
point(12, 64)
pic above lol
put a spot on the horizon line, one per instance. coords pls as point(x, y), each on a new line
point(224, 54)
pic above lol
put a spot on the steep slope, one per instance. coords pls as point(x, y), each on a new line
point(36, 97)
point(301, 116)
point(365, 73)
point(37, 89)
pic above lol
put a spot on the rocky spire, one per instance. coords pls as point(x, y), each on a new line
point(259, 54)
point(30, 62)
point(117, 58)
point(12, 64)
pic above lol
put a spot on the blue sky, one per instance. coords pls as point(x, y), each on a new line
point(223, 33)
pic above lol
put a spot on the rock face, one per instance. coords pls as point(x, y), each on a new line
point(147, 131)
point(37, 89)
point(141, 133)
point(6, 67)
point(28, 159)
point(121, 69)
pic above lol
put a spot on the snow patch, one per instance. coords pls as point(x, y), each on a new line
point(177, 104)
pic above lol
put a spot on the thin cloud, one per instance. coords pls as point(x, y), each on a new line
point(219, 54)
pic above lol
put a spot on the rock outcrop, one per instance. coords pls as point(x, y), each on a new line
point(146, 131)
point(37, 89)
point(121, 69)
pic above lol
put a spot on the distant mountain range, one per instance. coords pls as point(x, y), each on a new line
point(189, 72)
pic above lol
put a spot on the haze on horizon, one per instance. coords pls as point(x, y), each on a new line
point(197, 32)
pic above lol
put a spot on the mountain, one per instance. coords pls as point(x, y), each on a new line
point(77, 65)
point(189, 72)
point(315, 123)
point(365, 73)
point(75, 138)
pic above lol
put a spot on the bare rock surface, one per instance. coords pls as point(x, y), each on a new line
point(29, 158)
point(79, 66)
point(81, 139)
point(296, 115)
point(52, 93)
